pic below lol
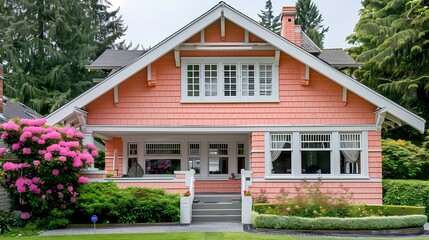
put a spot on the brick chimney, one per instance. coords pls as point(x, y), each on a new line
point(1, 88)
point(290, 31)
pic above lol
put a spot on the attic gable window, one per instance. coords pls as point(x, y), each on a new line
point(229, 80)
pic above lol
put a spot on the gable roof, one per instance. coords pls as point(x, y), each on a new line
point(13, 109)
point(112, 59)
point(222, 9)
point(336, 57)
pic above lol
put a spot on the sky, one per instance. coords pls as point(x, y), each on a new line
point(151, 21)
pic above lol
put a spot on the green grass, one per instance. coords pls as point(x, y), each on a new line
point(178, 236)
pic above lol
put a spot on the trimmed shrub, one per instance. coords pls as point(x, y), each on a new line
point(128, 205)
point(328, 223)
point(406, 192)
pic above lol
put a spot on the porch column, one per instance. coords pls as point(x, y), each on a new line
point(88, 138)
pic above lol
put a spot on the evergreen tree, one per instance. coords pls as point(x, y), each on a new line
point(393, 42)
point(268, 20)
point(45, 45)
point(310, 19)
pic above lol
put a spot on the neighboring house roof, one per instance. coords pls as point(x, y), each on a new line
point(112, 59)
point(336, 57)
point(13, 109)
point(388, 107)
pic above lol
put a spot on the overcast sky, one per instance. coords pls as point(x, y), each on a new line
point(150, 21)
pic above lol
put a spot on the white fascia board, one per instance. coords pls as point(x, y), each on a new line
point(324, 69)
point(151, 55)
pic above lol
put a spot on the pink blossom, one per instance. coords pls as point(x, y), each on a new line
point(94, 153)
point(24, 136)
point(91, 146)
point(48, 156)
point(34, 188)
point(42, 152)
point(3, 150)
point(40, 141)
point(43, 197)
point(72, 199)
point(49, 191)
point(78, 135)
point(25, 215)
point(60, 187)
point(33, 122)
point(70, 188)
point(26, 150)
point(35, 180)
point(82, 180)
point(36, 162)
point(9, 166)
point(4, 135)
point(21, 189)
point(77, 162)
point(62, 158)
point(34, 130)
point(55, 172)
point(23, 165)
point(53, 148)
point(60, 195)
point(10, 126)
point(16, 146)
point(51, 135)
point(34, 139)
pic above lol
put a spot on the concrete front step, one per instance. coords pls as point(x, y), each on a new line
point(221, 205)
point(216, 198)
point(216, 212)
point(216, 218)
point(213, 207)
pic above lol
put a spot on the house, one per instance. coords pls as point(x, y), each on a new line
point(224, 94)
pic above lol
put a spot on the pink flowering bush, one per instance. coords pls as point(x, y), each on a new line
point(45, 182)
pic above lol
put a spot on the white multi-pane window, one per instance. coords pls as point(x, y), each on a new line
point(194, 157)
point(218, 158)
point(162, 158)
point(229, 80)
point(134, 168)
point(316, 153)
point(350, 149)
point(281, 153)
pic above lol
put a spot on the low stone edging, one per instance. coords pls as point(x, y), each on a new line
point(119, 225)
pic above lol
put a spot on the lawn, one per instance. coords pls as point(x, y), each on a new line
point(178, 236)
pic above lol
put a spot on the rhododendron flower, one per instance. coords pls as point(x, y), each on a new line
point(4, 135)
point(77, 162)
point(53, 148)
point(78, 135)
point(40, 141)
point(24, 136)
point(9, 166)
point(23, 165)
point(16, 146)
point(51, 135)
point(25, 215)
point(62, 158)
point(91, 146)
point(94, 153)
point(26, 150)
point(55, 172)
point(10, 126)
point(60, 195)
point(70, 188)
point(34, 139)
point(3, 150)
point(82, 180)
point(36, 162)
point(60, 187)
point(49, 191)
point(42, 152)
point(36, 179)
point(72, 199)
point(33, 122)
point(48, 156)
point(43, 197)
point(34, 130)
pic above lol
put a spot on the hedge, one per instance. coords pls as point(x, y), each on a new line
point(329, 223)
point(406, 192)
point(387, 210)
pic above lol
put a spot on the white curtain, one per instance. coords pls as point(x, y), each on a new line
point(351, 157)
point(275, 155)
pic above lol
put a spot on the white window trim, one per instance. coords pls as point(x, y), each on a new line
point(229, 60)
point(335, 158)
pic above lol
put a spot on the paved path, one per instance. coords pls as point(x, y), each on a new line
point(195, 227)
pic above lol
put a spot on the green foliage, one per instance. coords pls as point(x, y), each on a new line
point(311, 201)
point(6, 220)
point(261, 197)
point(310, 19)
point(99, 161)
point(392, 39)
point(45, 45)
point(268, 20)
point(406, 192)
point(128, 205)
point(330, 223)
point(404, 160)
point(30, 229)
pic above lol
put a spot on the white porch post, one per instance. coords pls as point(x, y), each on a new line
point(186, 202)
point(88, 138)
point(246, 201)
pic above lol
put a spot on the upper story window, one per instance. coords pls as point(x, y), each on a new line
point(229, 80)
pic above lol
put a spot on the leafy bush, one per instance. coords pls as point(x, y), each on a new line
point(311, 201)
point(404, 160)
point(6, 220)
point(129, 205)
point(406, 192)
point(329, 223)
point(44, 183)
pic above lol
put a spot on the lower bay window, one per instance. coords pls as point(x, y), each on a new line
point(333, 154)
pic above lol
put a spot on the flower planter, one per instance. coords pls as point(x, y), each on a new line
point(246, 209)
point(185, 210)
